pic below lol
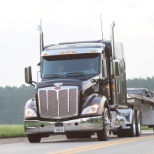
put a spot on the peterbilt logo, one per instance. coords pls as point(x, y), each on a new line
point(58, 86)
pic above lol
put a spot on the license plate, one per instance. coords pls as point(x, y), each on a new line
point(59, 129)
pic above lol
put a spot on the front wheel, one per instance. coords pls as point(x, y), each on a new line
point(34, 138)
point(70, 135)
point(83, 135)
point(103, 134)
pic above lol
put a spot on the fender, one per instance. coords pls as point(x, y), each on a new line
point(97, 99)
point(128, 114)
point(31, 104)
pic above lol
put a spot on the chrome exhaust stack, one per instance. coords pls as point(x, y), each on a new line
point(41, 37)
point(112, 39)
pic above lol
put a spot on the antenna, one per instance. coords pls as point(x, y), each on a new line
point(101, 26)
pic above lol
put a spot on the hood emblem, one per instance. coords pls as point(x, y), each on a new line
point(58, 86)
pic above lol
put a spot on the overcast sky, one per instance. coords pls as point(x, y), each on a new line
point(73, 20)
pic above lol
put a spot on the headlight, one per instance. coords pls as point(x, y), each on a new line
point(91, 109)
point(30, 113)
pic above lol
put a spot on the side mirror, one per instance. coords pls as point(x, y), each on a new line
point(28, 75)
point(116, 68)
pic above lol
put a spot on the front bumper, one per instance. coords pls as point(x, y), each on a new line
point(81, 124)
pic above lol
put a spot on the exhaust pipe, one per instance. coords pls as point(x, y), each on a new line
point(112, 40)
point(41, 37)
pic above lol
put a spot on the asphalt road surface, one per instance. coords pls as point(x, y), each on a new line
point(58, 144)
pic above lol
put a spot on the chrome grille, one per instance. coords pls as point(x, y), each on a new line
point(58, 103)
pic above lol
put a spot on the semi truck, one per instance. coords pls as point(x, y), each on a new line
point(81, 92)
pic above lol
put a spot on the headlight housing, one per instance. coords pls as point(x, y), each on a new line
point(91, 109)
point(30, 113)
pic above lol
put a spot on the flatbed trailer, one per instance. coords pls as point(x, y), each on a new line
point(145, 106)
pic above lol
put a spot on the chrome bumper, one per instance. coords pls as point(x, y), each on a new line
point(82, 124)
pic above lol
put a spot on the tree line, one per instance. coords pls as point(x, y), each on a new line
point(12, 103)
point(141, 83)
point(13, 99)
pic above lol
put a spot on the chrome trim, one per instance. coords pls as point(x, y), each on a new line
point(58, 84)
point(41, 37)
point(81, 124)
point(47, 101)
point(112, 39)
point(79, 49)
point(58, 102)
point(69, 93)
point(128, 114)
point(68, 101)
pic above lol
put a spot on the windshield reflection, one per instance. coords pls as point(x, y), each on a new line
point(77, 65)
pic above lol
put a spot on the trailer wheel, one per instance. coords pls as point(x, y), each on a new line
point(103, 134)
point(138, 123)
point(34, 138)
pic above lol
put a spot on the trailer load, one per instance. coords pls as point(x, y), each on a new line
point(142, 99)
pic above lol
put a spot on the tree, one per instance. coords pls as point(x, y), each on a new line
point(12, 102)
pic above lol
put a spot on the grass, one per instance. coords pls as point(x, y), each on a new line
point(146, 128)
point(8, 131)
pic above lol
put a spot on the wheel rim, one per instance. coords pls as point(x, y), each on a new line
point(134, 125)
point(107, 122)
point(139, 124)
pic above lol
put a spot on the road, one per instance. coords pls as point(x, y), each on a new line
point(58, 144)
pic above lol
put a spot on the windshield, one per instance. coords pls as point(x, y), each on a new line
point(74, 65)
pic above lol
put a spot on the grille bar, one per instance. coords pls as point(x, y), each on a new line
point(68, 102)
point(58, 103)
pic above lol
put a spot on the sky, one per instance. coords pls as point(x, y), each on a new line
point(73, 20)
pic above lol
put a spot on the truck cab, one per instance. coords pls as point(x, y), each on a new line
point(82, 91)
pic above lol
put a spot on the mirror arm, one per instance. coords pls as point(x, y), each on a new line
point(39, 64)
point(105, 81)
point(112, 76)
point(94, 81)
point(34, 83)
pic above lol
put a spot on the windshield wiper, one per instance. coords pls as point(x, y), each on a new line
point(47, 76)
point(75, 74)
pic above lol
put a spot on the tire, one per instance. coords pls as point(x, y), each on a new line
point(103, 134)
point(34, 138)
point(138, 123)
point(121, 134)
point(132, 131)
point(83, 135)
point(70, 135)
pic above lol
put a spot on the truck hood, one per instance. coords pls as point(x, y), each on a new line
point(83, 85)
point(64, 82)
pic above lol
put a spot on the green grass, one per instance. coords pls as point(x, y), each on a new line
point(146, 128)
point(8, 131)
